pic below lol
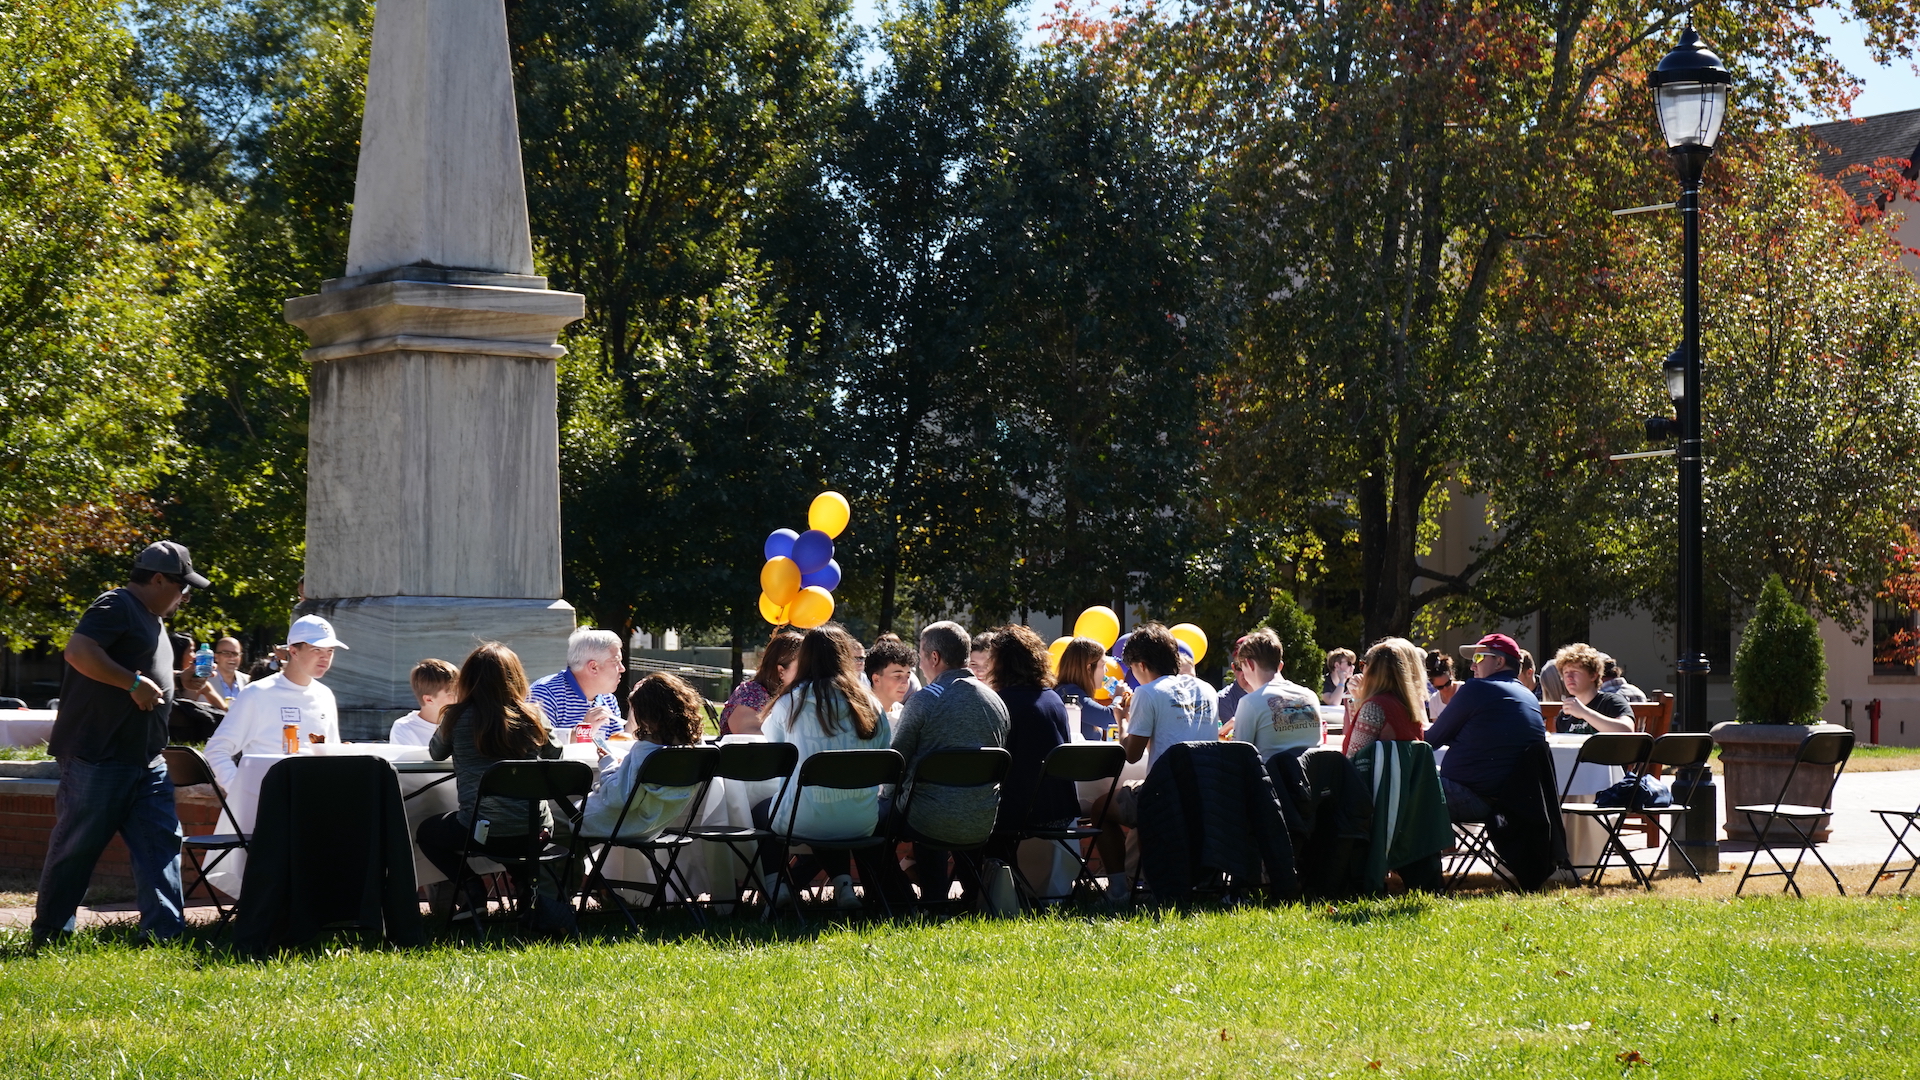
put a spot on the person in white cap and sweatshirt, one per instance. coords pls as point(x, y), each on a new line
point(256, 720)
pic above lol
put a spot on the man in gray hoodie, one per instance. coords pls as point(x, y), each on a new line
point(955, 710)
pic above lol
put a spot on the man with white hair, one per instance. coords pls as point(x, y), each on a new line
point(582, 693)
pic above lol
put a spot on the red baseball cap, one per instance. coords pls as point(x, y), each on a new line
point(1499, 643)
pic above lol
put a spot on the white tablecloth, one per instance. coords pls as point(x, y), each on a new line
point(25, 727)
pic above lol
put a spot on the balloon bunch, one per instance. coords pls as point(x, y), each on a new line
point(797, 583)
point(1098, 624)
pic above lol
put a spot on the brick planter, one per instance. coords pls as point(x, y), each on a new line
point(26, 821)
point(1756, 759)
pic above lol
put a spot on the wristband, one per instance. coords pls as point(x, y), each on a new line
point(136, 683)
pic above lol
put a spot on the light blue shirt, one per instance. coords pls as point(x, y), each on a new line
point(827, 813)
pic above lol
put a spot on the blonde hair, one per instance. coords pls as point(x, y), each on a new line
point(1397, 667)
point(1580, 655)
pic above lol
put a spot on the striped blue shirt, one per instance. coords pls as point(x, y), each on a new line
point(560, 697)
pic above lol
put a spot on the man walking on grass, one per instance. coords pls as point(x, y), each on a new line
point(116, 692)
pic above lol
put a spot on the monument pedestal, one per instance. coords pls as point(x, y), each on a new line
point(433, 452)
point(387, 635)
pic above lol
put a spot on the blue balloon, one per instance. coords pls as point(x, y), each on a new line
point(780, 544)
point(813, 550)
point(827, 577)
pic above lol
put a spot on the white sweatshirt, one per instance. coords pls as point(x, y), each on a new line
point(254, 721)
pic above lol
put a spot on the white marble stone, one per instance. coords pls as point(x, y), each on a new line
point(429, 316)
point(439, 181)
point(387, 635)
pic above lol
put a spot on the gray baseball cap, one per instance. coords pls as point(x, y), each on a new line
point(168, 557)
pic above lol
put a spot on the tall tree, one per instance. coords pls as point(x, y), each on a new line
point(657, 135)
point(100, 261)
point(1416, 202)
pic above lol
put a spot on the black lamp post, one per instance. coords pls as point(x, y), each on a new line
point(1691, 88)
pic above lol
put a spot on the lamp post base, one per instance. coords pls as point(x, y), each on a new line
point(1697, 832)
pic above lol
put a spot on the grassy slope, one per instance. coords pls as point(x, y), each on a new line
point(1542, 986)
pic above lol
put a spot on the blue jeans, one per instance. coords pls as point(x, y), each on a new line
point(94, 801)
point(1464, 803)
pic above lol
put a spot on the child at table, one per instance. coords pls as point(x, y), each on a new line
point(666, 712)
point(433, 682)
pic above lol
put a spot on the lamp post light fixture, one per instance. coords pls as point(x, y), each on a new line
point(1690, 88)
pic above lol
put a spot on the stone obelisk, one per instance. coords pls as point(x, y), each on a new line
point(433, 474)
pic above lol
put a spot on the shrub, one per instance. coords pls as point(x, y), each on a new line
point(1780, 670)
point(1305, 660)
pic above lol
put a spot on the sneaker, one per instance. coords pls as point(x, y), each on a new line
point(844, 897)
point(775, 893)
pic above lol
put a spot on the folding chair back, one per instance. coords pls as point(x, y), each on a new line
point(756, 762)
point(846, 769)
point(963, 767)
point(186, 767)
point(1627, 750)
point(535, 782)
point(1820, 750)
point(680, 766)
point(1083, 762)
point(1679, 751)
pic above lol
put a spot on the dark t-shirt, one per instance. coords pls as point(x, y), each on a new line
point(98, 722)
point(1608, 705)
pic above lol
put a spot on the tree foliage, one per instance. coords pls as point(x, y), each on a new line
point(100, 259)
point(1780, 669)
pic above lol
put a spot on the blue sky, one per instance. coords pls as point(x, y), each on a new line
point(1888, 89)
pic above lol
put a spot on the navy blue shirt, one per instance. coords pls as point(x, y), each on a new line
point(1486, 726)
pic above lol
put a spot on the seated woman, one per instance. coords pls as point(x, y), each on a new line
point(1392, 695)
point(1036, 723)
point(823, 708)
point(665, 712)
point(1440, 682)
point(1586, 708)
point(491, 722)
point(1082, 665)
point(746, 707)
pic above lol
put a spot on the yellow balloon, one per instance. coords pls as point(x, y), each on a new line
point(829, 513)
point(780, 580)
point(1192, 637)
point(812, 607)
point(1054, 650)
point(772, 612)
point(1100, 624)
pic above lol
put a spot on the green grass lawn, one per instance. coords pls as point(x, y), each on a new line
point(1550, 986)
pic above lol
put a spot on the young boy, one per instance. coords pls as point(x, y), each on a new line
point(433, 682)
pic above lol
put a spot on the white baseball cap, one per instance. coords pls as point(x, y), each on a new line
point(313, 630)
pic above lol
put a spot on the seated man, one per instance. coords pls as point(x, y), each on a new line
point(1168, 708)
point(889, 671)
point(955, 710)
point(582, 692)
point(1489, 723)
point(1275, 714)
point(293, 695)
point(432, 682)
point(1587, 708)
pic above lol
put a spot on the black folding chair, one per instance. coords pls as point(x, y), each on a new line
point(749, 763)
point(673, 767)
point(1624, 750)
point(1676, 751)
point(1819, 750)
point(1473, 843)
point(1906, 819)
point(977, 768)
point(842, 770)
point(531, 851)
point(1076, 763)
point(187, 768)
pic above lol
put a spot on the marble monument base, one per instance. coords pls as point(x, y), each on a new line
point(387, 635)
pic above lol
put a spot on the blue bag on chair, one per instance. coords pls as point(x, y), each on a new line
point(1636, 793)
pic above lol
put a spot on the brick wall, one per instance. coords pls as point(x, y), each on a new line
point(26, 820)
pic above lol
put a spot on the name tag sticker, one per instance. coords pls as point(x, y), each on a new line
point(290, 714)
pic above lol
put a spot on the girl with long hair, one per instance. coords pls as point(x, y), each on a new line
point(1036, 723)
point(823, 708)
point(1082, 665)
point(1392, 696)
point(492, 721)
point(666, 712)
point(746, 707)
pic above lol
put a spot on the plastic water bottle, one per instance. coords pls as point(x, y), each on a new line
point(203, 662)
